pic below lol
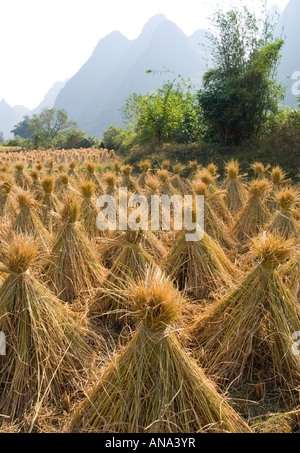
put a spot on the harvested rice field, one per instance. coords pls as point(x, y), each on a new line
point(122, 318)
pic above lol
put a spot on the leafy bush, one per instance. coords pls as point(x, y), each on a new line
point(118, 139)
point(240, 92)
point(168, 114)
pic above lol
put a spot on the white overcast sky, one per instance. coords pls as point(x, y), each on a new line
point(45, 41)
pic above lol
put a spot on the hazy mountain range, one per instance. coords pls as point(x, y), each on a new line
point(10, 116)
point(117, 68)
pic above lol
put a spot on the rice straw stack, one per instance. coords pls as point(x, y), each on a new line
point(153, 385)
point(214, 226)
point(50, 203)
point(21, 179)
point(130, 265)
point(73, 267)
point(254, 216)
point(236, 194)
point(28, 222)
point(284, 222)
point(145, 166)
point(200, 268)
point(88, 210)
point(246, 336)
point(46, 343)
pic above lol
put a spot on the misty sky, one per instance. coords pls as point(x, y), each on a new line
point(45, 41)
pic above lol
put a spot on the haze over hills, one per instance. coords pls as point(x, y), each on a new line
point(49, 99)
point(21, 110)
point(10, 116)
point(117, 68)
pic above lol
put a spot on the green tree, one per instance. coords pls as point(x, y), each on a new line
point(51, 129)
point(165, 115)
point(23, 128)
point(240, 92)
point(88, 141)
point(11, 142)
point(1, 138)
point(118, 139)
point(113, 137)
point(41, 139)
point(49, 123)
point(160, 114)
point(73, 138)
